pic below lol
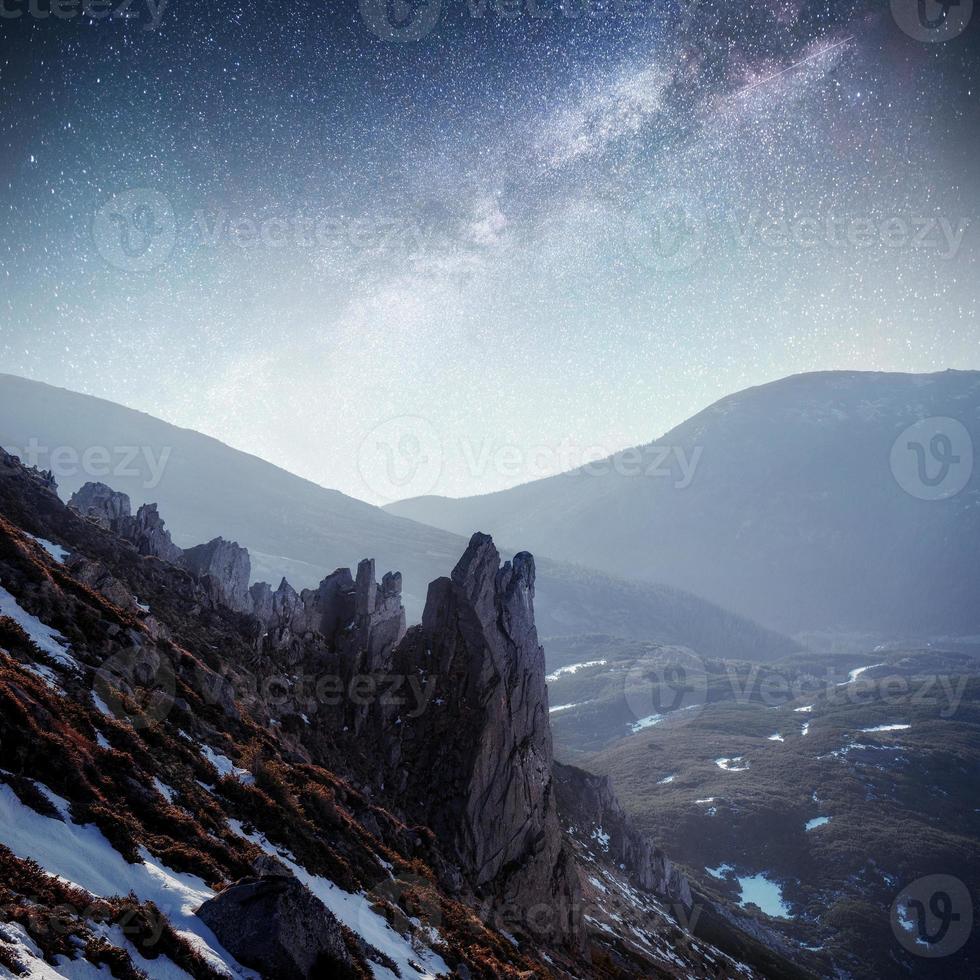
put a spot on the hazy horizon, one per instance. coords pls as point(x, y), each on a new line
point(489, 461)
point(515, 236)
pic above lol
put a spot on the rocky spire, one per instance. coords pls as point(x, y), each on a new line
point(332, 603)
point(479, 758)
point(380, 617)
point(150, 535)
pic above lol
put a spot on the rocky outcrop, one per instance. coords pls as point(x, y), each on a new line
point(112, 510)
point(476, 766)
point(379, 616)
point(360, 620)
point(227, 569)
point(225, 566)
point(275, 925)
point(333, 604)
point(149, 535)
point(97, 576)
point(289, 618)
point(102, 505)
point(589, 808)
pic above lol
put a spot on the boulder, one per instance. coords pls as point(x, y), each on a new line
point(275, 925)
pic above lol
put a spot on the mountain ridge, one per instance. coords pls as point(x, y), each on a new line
point(297, 530)
point(797, 484)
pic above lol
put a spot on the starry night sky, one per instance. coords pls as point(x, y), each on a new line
point(269, 223)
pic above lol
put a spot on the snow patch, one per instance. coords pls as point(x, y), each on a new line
point(225, 766)
point(647, 722)
point(47, 639)
point(574, 669)
point(737, 764)
point(857, 672)
point(82, 855)
point(167, 792)
point(58, 553)
point(566, 707)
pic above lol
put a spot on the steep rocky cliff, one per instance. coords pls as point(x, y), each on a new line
point(485, 744)
point(145, 721)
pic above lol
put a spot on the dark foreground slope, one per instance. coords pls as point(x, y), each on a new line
point(188, 790)
point(299, 530)
point(799, 503)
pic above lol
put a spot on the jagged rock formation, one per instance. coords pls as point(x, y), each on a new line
point(276, 926)
point(359, 618)
point(479, 760)
point(103, 506)
point(451, 809)
point(483, 749)
point(379, 616)
point(151, 537)
point(112, 511)
point(227, 568)
point(588, 804)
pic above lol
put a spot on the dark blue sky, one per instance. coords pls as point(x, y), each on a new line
point(270, 224)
